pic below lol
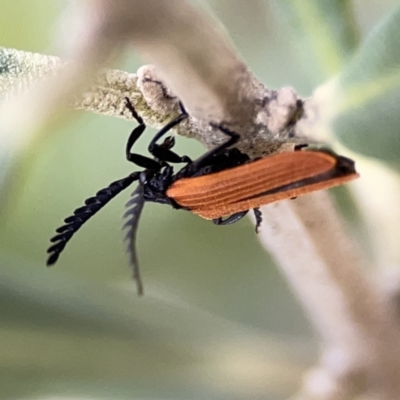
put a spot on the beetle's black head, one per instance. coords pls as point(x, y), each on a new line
point(156, 183)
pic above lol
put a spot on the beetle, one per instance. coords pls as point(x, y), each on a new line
point(222, 182)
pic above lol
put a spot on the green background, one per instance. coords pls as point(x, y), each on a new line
point(217, 319)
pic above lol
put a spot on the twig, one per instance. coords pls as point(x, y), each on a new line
point(152, 99)
point(361, 337)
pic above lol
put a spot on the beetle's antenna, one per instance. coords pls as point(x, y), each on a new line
point(82, 214)
point(134, 211)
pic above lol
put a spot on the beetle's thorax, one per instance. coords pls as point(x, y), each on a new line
point(227, 159)
point(156, 183)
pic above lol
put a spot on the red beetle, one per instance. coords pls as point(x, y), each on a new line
point(223, 182)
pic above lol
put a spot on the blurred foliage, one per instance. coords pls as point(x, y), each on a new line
point(365, 100)
point(217, 320)
point(325, 31)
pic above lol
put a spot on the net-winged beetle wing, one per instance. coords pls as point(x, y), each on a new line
point(223, 182)
point(267, 180)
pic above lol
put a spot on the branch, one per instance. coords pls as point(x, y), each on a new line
point(152, 99)
point(361, 337)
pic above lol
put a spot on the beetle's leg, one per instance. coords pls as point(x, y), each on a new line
point(82, 214)
point(137, 132)
point(258, 215)
point(231, 219)
point(183, 115)
point(138, 159)
point(135, 115)
point(143, 161)
point(233, 138)
point(300, 146)
point(168, 155)
point(161, 152)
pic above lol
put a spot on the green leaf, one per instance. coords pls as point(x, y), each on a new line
point(364, 102)
point(325, 32)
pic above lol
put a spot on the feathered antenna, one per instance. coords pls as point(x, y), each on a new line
point(133, 213)
point(84, 213)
